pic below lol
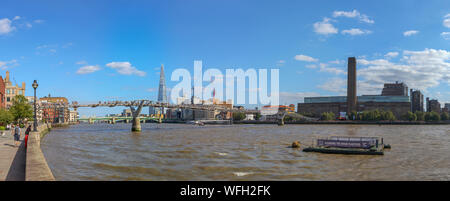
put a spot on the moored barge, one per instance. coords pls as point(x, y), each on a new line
point(349, 145)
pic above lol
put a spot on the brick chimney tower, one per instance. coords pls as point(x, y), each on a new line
point(351, 86)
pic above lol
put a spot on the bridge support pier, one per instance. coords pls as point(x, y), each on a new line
point(113, 120)
point(91, 121)
point(136, 126)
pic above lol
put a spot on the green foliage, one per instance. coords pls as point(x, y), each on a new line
point(432, 116)
point(238, 116)
point(445, 116)
point(420, 115)
point(2, 128)
point(410, 116)
point(257, 116)
point(377, 115)
point(327, 116)
point(307, 114)
point(20, 108)
point(5, 117)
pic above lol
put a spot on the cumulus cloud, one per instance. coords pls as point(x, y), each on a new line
point(446, 21)
point(88, 69)
point(445, 35)
point(125, 68)
point(312, 66)
point(302, 57)
point(353, 14)
point(325, 27)
point(5, 26)
point(418, 69)
point(410, 33)
point(356, 31)
point(391, 54)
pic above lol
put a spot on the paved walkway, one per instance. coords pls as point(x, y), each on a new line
point(12, 159)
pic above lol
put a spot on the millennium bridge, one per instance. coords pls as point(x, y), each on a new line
point(137, 105)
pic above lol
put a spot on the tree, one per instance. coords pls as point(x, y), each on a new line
point(420, 115)
point(20, 108)
point(411, 116)
point(257, 116)
point(432, 116)
point(5, 117)
point(327, 116)
point(445, 116)
point(238, 116)
point(389, 116)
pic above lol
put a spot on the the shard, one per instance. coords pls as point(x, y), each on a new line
point(162, 97)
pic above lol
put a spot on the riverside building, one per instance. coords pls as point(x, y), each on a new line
point(394, 97)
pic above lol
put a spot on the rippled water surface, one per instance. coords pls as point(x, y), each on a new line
point(241, 152)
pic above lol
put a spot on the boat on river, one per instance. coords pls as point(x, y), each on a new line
point(349, 145)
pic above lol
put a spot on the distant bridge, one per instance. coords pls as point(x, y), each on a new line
point(136, 108)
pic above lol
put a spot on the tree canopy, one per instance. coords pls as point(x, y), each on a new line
point(21, 109)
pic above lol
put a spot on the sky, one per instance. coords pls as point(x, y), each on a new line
point(98, 50)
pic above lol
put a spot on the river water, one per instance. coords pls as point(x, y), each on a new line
point(241, 152)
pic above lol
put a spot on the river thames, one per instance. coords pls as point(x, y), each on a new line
point(241, 152)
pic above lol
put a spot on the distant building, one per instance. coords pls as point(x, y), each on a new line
point(12, 90)
point(162, 97)
point(416, 101)
point(73, 116)
point(126, 113)
point(394, 97)
point(446, 107)
point(399, 105)
point(433, 105)
point(2, 93)
point(55, 109)
point(395, 89)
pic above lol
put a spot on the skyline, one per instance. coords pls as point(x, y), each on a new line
point(87, 51)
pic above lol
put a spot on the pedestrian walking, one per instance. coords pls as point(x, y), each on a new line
point(17, 135)
point(27, 132)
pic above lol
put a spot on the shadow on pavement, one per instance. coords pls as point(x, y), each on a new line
point(17, 170)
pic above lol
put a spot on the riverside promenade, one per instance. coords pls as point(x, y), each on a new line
point(12, 159)
point(24, 164)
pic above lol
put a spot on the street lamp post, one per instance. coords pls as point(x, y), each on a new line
point(35, 85)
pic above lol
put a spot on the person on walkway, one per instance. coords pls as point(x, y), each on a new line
point(27, 132)
point(17, 135)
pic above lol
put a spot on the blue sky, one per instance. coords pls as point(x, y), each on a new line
point(104, 50)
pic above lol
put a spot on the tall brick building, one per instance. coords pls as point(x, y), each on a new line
point(394, 97)
point(2, 93)
point(416, 101)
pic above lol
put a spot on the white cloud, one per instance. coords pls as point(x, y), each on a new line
point(418, 69)
point(325, 27)
point(82, 62)
point(356, 31)
point(7, 64)
point(16, 18)
point(125, 68)
point(445, 35)
point(312, 66)
point(5, 26)
point(337, 85)
point(353, 14)
point(38, 21)
point(302, 57)
point(325, 68)
point(410, 33)
point(88, 69)
point(336, 62)
point(391, 54)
